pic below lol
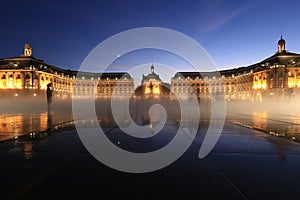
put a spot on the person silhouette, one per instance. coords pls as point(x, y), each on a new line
point(49, 95)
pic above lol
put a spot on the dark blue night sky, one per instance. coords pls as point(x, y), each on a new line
point(235, 33)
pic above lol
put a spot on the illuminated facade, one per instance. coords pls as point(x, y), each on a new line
point(28, 76)
point(152, 86)
point(277, 77)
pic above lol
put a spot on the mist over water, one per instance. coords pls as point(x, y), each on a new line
point(30, 116)
point(22, 115)
point(279, 117)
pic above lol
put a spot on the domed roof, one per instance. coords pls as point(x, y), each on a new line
point(27, 46)
point(281, 41)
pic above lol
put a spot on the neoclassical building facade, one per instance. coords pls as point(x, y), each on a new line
point(26, 75)
point(277, 77)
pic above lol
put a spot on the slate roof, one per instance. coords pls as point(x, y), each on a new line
point(24, 62)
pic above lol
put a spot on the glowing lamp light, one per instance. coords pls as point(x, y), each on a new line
point(34, 94)
point(16, 95)
point(291, 83)
point(147, 90)
point(156, 91)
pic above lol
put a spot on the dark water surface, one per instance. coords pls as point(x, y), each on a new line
point(43, 157)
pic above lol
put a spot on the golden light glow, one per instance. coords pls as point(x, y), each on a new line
point(43, 84)
point(291, 82)
point(147, 91)
point(260, 119)
point(10, 124)
point(260, 85)
point(155, 87)
point(255, 85)
point(156, 90)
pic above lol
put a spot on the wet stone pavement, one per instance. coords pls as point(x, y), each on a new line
point(245, 164)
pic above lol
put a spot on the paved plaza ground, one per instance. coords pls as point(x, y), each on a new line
point(246, 163)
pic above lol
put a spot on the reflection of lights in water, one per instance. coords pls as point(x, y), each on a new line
point(34, 94)
point(16, 95)
point(20, 124)
point(28, 151)
point(32, 135)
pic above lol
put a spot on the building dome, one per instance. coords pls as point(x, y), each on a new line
point(281, 41)
point(27, 46)
point(27, 50)
point(152, 69)
point(281, 45)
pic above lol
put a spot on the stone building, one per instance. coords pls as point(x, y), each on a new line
point(26, 75)
point(152, 86)
point(278, 76)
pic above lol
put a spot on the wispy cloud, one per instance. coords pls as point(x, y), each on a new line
point(216, 14)
point(223, 19)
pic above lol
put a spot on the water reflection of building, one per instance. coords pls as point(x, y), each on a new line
point(277, 77)
point(27, 75)
point(16, 125)
point(260, 120)
point(289, 128)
